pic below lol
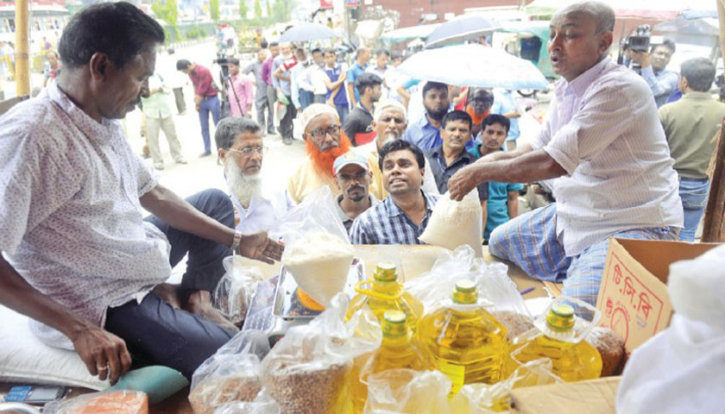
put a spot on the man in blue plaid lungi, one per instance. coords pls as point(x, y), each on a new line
point(603, 144)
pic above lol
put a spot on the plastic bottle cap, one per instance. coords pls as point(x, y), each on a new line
point(465, 286)
point(394, 324)
point(560, 317)
point(386, 272)
point(466, 292)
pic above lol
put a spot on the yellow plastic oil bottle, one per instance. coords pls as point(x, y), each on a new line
point(396, 351)
point(386, 293)
point(571, 361)
point(464, 341)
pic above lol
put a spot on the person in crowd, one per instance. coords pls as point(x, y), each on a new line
point(336, 94)
point(389, 123)
point(317, 76)
point(606, 148)
point(46, 44)
point(452, 156)
point(503, 198)
point(158, 116)
point(381, 68)
point(239, 91)
point(479, 107)
point(324, 142)
point(259, 38)
point(281, 71)
point(662, 82)
point(353, 176)
point(271, 91)
point(77, 256)
point(358, 126)
point(206, 98)
point(302, 90)
point(504, 104)
point(356, 69)
point(52, 68)
point(261, 99)
point(425, 133)
point(241, 149)
point(691, 126)
point(176, 81)
point(402, 216)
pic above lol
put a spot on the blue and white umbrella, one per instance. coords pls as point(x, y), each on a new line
point(460, 29)
point(305, 32)
point(474, 65)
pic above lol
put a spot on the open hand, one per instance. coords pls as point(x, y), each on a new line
point(260, 247)
point(104, 354)
point(462, 183)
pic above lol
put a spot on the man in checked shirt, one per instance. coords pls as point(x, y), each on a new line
point(605, 147)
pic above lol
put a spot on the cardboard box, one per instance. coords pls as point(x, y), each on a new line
point(633, 295)
point(591, 397)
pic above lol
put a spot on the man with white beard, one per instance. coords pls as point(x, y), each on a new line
point(241, 150)
point(389, 123)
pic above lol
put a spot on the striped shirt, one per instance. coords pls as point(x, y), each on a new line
point(604, 130)
point(386, 223)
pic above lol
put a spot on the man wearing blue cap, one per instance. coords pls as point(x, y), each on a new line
point(353, 177)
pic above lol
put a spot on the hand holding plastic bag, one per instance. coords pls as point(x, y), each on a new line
point(229, 375)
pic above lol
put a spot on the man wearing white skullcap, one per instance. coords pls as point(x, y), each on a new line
point(389, 122)
point(325, 141)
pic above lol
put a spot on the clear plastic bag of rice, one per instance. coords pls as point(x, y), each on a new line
point(230, 375)
point(235, 290)
point(456, 223)
point(306, 372)
point(320, 263)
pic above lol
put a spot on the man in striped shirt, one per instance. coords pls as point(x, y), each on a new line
point(402, 217)
point(604, 145)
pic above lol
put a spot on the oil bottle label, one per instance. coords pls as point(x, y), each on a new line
point(456, 373)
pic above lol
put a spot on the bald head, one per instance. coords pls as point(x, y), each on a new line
point(600, 13)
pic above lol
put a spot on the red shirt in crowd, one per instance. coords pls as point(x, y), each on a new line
point(203, 82)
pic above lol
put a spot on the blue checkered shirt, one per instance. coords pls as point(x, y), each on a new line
point(386, 223)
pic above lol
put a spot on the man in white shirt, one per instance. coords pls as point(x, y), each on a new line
point(75, 252)
point(241, 150)
point(604, 144)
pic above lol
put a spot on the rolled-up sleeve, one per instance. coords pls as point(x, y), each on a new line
point(602, 119)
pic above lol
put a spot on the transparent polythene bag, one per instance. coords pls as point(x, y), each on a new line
point(263, 404)
point(408, 391)
point(307, 370)
point(108, 402)
point(230, 375)
point(481, 398)
point(316, 213)
point(456, 223)
point(233, 295)
point(496, 291)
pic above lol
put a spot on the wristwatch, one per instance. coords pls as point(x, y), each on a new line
point(235, 243)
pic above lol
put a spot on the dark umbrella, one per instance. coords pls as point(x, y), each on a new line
point(460, 29)
point(306, 32)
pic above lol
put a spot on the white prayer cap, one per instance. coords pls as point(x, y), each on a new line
point(387, 105)
point(315, 110)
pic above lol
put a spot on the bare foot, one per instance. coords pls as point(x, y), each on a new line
point(169, 293)
point(199, 303)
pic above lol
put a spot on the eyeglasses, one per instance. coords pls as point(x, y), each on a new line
point(249, 150)
point(481, 100)
point(322, 133)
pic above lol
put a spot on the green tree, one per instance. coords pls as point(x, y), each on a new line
point(243, 9)
point(214, 9)
point(167, 12)
point(269, 9)
point(257, 9)
point(282, 10)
